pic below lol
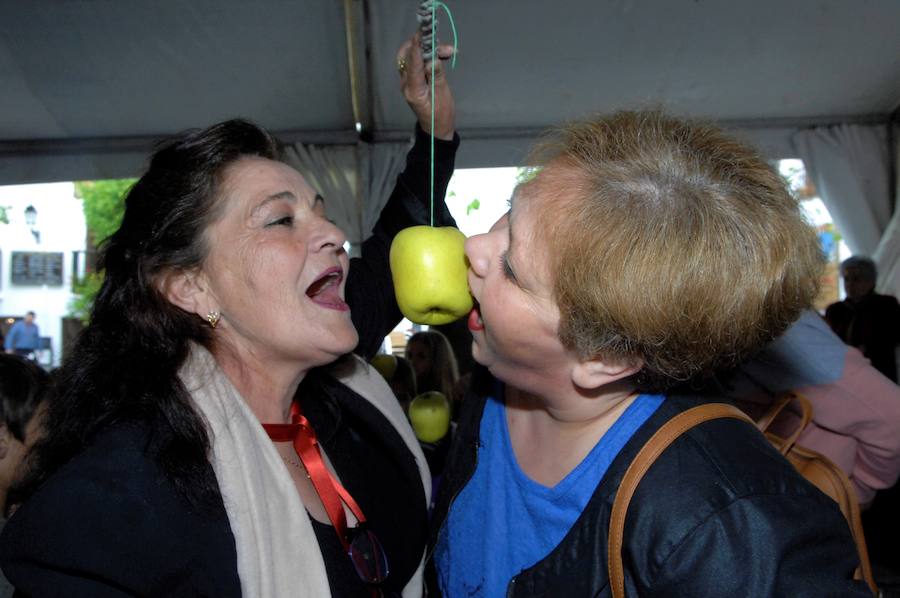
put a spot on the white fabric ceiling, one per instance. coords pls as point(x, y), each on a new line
point(85, 86)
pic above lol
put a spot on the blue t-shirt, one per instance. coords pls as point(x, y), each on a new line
point(503, 522)
point(22, 336)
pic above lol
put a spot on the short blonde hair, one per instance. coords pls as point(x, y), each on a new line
point(678, 245)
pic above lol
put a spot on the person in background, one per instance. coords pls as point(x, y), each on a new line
point(404, 382)
point(24, 337)
point(432, 358)
point(460, 338)
point(865, 319)
point(216, 380)
point(856, 409)
point(400, 376)
point(646, 253)
point(25, 389)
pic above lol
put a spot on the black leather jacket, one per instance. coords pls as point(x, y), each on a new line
point(720, 513)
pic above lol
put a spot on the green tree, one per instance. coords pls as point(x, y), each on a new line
point(103, 204)
point(84, 289)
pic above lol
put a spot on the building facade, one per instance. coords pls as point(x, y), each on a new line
point(42, 246)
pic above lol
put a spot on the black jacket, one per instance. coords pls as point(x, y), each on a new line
point(872, 325)
point(109, 524)
point(720, 513)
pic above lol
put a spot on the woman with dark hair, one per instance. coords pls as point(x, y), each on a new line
point(216, 437)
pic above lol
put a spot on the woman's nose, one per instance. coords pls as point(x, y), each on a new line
point(476, 251)
point(328, 234)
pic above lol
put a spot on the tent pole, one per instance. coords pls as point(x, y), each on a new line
point(354, 29)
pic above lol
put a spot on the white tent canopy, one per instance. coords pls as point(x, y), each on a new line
point(85, 84)
point(86, 87)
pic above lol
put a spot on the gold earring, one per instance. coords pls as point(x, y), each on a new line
point(213, 318)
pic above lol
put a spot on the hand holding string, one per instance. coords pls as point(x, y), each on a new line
point(416, 84)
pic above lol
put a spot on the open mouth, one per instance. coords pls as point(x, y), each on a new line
point(475, 322)
point(326, 290)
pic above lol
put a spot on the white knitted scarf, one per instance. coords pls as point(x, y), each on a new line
point(277, 551)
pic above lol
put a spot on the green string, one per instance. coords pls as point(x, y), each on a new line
point(434, 45)
point(452, 27)
point(433, 57)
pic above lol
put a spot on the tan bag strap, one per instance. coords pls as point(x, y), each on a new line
point(854, 519)
point(764, 422)
point(784, 445)
point(663, 437)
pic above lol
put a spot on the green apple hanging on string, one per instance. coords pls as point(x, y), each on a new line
point(428, 263)
point(429, 267)
point(429, 415)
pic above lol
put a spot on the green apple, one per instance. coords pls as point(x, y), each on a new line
point(429, 268)
point(386, 365)
point(429, 414)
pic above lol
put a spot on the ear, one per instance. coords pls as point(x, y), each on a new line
point(188, 290)
point(597, 371)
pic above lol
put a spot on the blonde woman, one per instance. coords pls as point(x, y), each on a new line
point(646, 253)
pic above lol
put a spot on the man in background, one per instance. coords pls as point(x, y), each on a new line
point(867, 320)
point(23, 338)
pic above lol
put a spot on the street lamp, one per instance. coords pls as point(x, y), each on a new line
point(30, 215)
point(30, 221)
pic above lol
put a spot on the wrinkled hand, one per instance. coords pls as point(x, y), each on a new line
point(415, 82)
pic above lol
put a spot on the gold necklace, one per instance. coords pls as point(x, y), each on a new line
point(296, 464)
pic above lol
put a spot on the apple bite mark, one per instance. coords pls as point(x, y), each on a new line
point(325, 290)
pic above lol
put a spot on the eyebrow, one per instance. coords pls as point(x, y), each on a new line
point(281, 195)
point(284, 195)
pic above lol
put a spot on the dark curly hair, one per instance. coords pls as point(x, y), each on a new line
point(124, 366)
